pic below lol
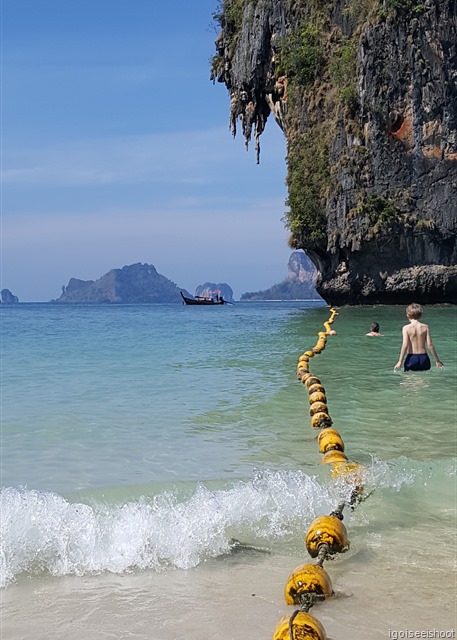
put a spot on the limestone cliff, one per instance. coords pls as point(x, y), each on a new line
point(366, 94)
point(210, 289)
point(300, 283)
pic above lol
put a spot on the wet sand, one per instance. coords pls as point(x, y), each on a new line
point(235, 598)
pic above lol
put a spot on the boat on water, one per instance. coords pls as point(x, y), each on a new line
point(203, 300)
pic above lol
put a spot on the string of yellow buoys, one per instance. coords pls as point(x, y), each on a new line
point(327, 535)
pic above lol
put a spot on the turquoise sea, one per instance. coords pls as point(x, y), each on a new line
point(159, 471)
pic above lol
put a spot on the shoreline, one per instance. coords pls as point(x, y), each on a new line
point(231, 598)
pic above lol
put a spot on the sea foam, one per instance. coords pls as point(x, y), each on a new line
point(42, 532)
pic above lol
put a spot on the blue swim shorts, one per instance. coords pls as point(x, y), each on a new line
point(419, 362)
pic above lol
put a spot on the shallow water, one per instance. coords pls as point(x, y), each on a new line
point(139, 441)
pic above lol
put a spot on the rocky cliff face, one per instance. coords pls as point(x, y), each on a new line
point(300, 269)
point(300, 283)
point(366, 94)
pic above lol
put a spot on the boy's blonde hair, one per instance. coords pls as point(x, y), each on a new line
point(414, 311)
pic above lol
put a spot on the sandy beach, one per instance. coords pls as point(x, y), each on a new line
point(241, 596)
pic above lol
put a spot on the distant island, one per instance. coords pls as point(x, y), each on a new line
point(208, 289)
point(141, 283)
point(298, 285)
point(7, 297)
point(135, 283)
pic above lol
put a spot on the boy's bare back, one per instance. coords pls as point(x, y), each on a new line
point(417, 334)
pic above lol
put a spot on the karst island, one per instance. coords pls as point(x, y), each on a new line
point(365, 92)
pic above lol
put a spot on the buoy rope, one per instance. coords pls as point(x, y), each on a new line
point(327, 535)
point(291, 623)
point(338, 512)
point(322, 555)
point(308, 600)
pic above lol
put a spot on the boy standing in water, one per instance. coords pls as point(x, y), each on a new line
point(416, 340)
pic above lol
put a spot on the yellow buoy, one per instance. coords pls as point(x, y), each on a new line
point(327, 530)
point(309, 353)
point(311, 380)
point(307, 578)
point(322, 334)
point(321, 420)
point(316, 396)
point(316, 388)
point(303, 358)
point(329, 439)
point(323, 432)
point(304, 627)
point(318, 407)
point(334, 455)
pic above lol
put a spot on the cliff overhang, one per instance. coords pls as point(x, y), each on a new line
point(366, 95)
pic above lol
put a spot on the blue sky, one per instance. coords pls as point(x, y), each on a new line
point(116, 149)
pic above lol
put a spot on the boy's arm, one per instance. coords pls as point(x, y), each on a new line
point(404, 347)
point(431, 348)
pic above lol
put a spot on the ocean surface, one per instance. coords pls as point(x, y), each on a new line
point(159, 471)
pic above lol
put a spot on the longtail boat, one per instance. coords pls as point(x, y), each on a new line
point(203, 300)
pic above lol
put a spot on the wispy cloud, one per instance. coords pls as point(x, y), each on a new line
point(175, 157)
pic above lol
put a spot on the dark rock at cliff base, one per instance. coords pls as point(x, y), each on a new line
point(366, 94)
point(135, 283)
point(300, 283)
point(211, 289)
point(7, 297)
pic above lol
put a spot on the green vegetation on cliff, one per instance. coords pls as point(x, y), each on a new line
point(307, 181)
point(301, 55)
